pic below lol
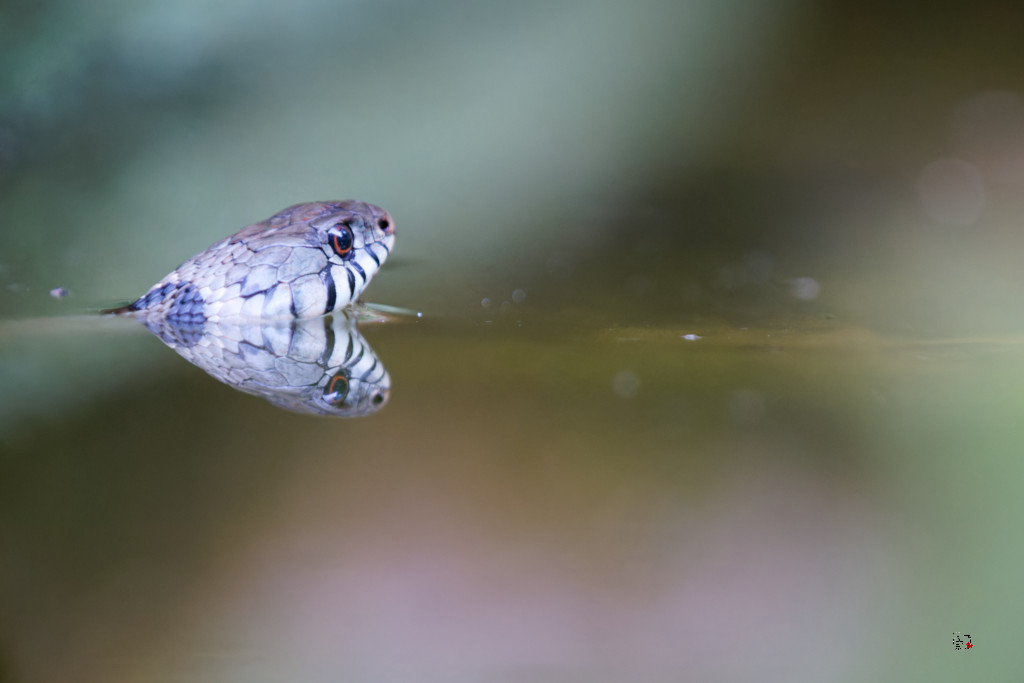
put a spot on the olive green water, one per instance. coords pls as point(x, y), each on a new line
point(539, 500)
point(719, 376)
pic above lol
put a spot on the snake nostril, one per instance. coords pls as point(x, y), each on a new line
point(384, 224)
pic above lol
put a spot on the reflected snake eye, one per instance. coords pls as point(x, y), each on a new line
point(340, 238)
point(336, 389)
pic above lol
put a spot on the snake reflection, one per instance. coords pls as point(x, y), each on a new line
point(267, 310)
point(320, 366)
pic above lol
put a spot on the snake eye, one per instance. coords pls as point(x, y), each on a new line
point(340, 238)
point(336, 389)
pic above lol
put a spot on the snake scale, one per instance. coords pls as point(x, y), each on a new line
point(320, 366)
point(305, 261)
point(250, 310)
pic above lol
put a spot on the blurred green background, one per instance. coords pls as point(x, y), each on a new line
point(822, 486)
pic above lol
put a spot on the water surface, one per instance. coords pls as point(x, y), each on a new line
point(542, 497)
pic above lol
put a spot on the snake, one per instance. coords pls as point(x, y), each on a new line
point(319, 366)
point(308, 260)
point(270, 310)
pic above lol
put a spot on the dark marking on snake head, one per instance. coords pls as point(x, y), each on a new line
point(349, 348)
point(351, 284)
point(332, 292)
point(330, 339)
point(179, 302)
point(359, 269)
point(338, 230)
point(180, 333)
point(369, 372)
point(350, 360)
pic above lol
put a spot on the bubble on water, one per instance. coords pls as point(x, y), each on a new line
point(518, 296)
point(626, 384)
point(485, 302)
point(951, 192)
point(691, 337)
point(804, 288)
point(59, 292)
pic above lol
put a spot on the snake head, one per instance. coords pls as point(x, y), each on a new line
point(307, 260)
point(318, 366)
point(353, 392)
point(357, 235)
